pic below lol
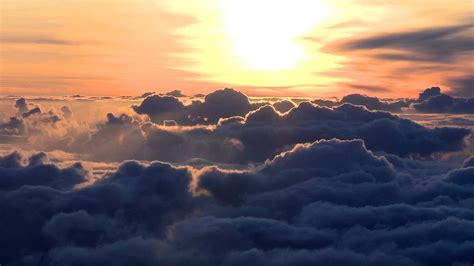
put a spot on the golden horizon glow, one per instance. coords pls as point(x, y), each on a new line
point(263, 47)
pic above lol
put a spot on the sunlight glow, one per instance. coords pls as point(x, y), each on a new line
point(264, 33)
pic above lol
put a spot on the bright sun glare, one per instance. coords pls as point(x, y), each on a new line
point(264, 33)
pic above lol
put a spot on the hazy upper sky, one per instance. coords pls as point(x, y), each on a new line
point(262, 47)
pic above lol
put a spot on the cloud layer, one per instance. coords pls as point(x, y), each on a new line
point(258, 182)
point(371, 103)
point(228, 128)
point(263, 133)
point(328, 202)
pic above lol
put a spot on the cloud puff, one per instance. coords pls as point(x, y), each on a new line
point(325, 158)
point(33, 128)
point(176, 93)
point(21, 105)
point(33, 111)
point(14, 127)
point(371, 103)
point(329, 202)
point(219, 104)
point(14, 174)
point(428, 93)
point(159, 108)
point(433, 101)
point(283, 106)
point(67, 112)
point(116, 139)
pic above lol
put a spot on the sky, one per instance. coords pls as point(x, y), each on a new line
point(236, 132)
point(263, 48)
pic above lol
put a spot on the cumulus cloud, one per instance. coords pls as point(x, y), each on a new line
point(175, 93)
point(283, 106)
point(118, 138)
point(364, 200)
point(133, 201)
point(33, 111)
point(263, 133)
point(327, 202)
point(433, 101)
point(36, 172)
point(33, 128)
point(371, 103)
point(13, 127)
point(67, 112)
point(227, 128)
point(428, 93)
point(21, 105)
point(219, 104)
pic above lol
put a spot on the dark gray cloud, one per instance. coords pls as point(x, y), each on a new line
point(428, 93)
point(440, 44)
point(175, 93)
point(433, 101)
point(219, 104)
point(371, 103)
point(366, 199)
point(13, 127)
point(265, 132)
point(469, 162)
point(369, 88)
point(259, 135)
point(328, 202)
point(21, 105)
point(146, 94)
point(33, 39)
point(37, 172)
point(283, 106)
point(42, 218)
point(32, 111)
point(249, 136)
point(303, 185)
point(462, 87)
point(160, 108)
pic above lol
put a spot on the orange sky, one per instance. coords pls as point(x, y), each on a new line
point(262, 47)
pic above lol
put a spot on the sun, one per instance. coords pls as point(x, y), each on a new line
point(264, 33)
